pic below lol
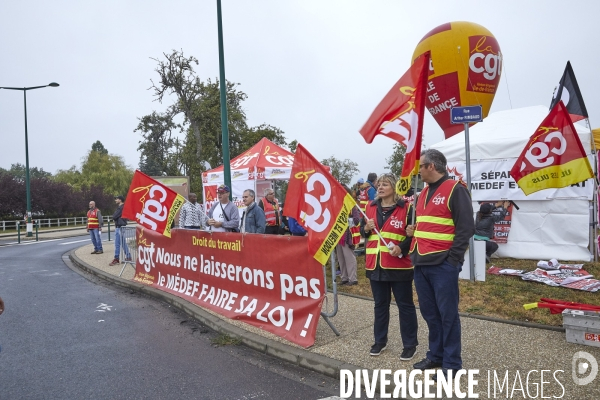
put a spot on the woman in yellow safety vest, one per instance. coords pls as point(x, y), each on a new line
point(388, 266)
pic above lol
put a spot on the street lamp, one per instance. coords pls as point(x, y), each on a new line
point(25, 89)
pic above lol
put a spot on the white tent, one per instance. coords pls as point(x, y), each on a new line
point(551, 223)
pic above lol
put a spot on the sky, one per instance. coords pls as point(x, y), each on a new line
point(315, 69)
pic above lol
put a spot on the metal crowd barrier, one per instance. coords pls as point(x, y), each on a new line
point(128, 252)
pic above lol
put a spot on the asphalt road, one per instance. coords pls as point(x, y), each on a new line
point(69, 336)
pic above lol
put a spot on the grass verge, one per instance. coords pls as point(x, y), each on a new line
point(500, 296)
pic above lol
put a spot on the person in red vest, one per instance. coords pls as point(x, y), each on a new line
point(344, 250)
point(388, 267)
point(94, 227)
point(367, 190)
point(270, 206)
point(441, 237)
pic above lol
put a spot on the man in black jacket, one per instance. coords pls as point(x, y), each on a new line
point(120, 223)
point(441, 237)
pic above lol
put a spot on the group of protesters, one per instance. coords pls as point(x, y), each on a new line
point(262, 216)
point(399, 249)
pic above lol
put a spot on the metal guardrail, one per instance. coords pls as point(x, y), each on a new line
point(50, 222)
point(128, 247)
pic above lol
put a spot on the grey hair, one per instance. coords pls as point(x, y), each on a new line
point(251, 193)
point(268, 191)
point(435, 157)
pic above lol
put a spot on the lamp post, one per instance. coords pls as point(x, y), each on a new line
point(27, 186)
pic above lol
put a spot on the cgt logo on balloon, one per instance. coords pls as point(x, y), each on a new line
point(465, 68)
point(485, 64)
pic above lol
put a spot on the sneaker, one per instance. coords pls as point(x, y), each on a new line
point(99, 252)
point(94, 252)
point(408, 353)
point(128, 259)
point(338, 272)
point(342, 283)
point(377, 348)
point(114, 262)
point(352, 283)
point(426, 363)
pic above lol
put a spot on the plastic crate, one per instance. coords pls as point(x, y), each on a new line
point(582, 327)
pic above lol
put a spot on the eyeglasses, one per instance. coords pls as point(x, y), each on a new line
point(425, 165)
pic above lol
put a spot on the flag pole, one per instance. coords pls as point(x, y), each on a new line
point(594, 228)
point(374, 229)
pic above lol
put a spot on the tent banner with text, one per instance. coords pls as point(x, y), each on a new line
point(491, 181)
point(232, 275)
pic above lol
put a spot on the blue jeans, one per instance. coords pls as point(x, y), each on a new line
point(382, 295)
point(96, 239)
point(437, 288)
point(120, 241)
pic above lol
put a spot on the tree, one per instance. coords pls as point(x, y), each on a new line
point(396, 160)
point(18, 172)
point(98, 169)
point(177, 77)
point(293, 145)
point(161, 150)
point(343, 171)
point(99, 147)
point(49, 198)
point(199, 102)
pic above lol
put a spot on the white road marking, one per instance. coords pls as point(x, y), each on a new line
point(103, 307)
point(77, 241)
point(29, 243)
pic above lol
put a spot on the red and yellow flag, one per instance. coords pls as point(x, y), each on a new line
point(152, 204)
point(319, 203)
point(553, 157)
point(400, 115)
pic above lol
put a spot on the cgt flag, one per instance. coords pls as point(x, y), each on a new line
point(152, 204)
point(553, 156)
point(568, 91)
point(400, 116)
point(319, 203)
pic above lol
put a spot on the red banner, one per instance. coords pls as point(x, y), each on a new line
point(553, 157)
point(319, 203)
point(245, 277)
point(152, 204)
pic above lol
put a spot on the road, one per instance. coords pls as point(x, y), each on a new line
point(65, 335)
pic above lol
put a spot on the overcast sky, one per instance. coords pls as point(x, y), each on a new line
point(315, 69)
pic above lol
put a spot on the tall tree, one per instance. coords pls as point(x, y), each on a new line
point(160, 149)
point(396, 160)
point(177, 76)
point(199, 102)
point(99, 169)
point(343, 171)
point(99, 147)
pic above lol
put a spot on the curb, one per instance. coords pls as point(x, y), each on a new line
point(300, 357)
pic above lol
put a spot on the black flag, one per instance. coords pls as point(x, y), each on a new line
point(568, 91)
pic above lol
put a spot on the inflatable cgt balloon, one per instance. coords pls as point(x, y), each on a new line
point(465, 68)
